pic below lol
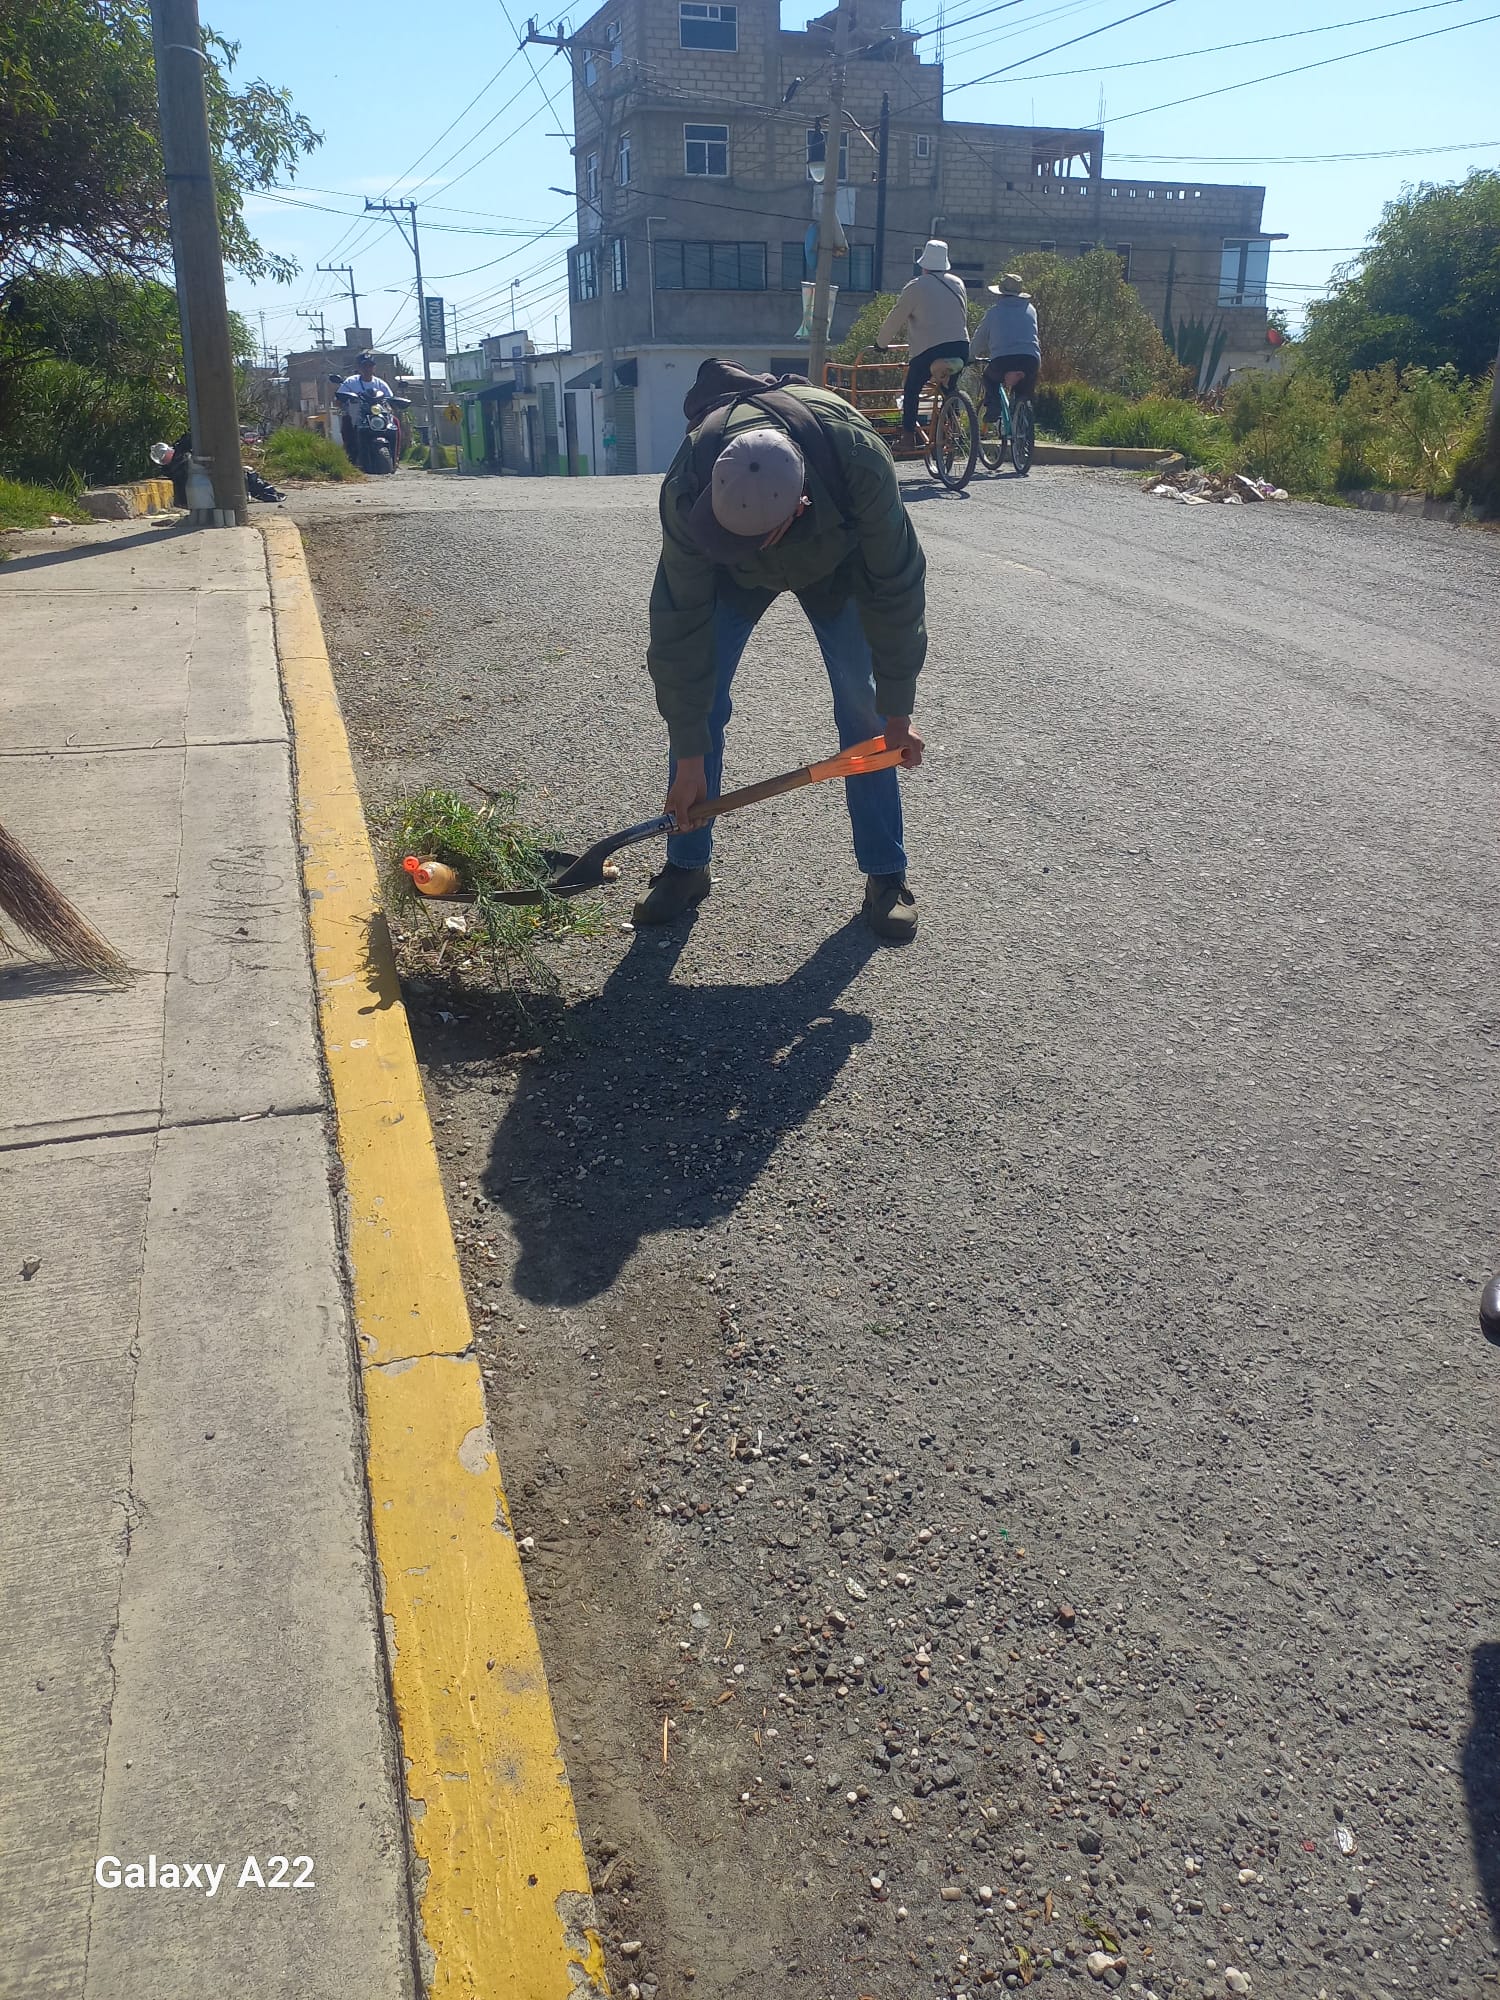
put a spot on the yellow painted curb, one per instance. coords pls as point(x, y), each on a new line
point(504, 1902)
point(131, 502)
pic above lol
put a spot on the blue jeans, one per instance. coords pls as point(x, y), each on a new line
point(874, 799)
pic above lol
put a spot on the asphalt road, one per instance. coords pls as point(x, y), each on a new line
point(1007, 1446)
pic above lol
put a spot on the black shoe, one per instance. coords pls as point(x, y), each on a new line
point(890, 908)
point(673, 893)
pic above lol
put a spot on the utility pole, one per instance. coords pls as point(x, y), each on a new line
point(605, 109)
point(828, 210)
point(884, 150)
point(315, 319)
point(392, 208)
point(348, 271)
point(198, 261)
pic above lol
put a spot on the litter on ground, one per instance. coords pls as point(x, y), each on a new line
point(1194, 487)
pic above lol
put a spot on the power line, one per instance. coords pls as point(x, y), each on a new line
point(406, 172)
point(1298, 159)
point(459, 119)
point(443, 228)
point(1021, 61)
point(1259, 41)
point(1275, 76)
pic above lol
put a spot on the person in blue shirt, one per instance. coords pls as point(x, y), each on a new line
point(1008, 335)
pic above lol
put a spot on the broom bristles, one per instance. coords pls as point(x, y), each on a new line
point(40, 910)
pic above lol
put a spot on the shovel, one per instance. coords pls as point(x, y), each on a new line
point(577, 874)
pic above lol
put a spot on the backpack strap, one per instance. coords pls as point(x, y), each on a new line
point(791, 415)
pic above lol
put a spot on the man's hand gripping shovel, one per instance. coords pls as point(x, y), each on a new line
point(577, 874)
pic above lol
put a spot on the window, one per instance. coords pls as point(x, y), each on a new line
point(585, 275)
point(1046, 246)
point(716, 267)
point(860, 276)
point(1085, 248)
point(616, 46)
point(817, 149)
point(923, 147)
point(1243, 270)
point(705, 150)
point(591, 177)
point(793, 265)
point(1122, 251)
point(701, 27)
point(619, 270)
point(622, 161)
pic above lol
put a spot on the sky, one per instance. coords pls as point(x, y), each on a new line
point(447, 111)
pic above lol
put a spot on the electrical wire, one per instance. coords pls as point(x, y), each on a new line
point(1299, 159)
point(1259, 41)
point(1275, 76)
point(990, 75)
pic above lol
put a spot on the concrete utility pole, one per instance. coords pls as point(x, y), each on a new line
point(828, 210)
point(198, 258)
point(606, 110)
point(392, 208)
point(348, 271)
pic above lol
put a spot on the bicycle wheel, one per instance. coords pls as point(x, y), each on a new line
point(955, 440)
point(1022, 435)
point(991, 446)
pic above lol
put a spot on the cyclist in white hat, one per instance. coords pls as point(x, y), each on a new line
point(934, 309)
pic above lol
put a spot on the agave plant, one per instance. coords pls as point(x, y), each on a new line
point(1198, 344)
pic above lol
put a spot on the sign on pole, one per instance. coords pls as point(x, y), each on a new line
point(434, 325)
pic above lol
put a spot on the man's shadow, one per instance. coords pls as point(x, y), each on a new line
point(668, 1106)
point(1481, 1769)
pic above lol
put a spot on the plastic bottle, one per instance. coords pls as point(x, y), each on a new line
point(432, 878)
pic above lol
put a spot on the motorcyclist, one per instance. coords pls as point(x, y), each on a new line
point(363, 382)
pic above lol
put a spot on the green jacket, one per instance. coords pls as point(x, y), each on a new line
point(824, 559)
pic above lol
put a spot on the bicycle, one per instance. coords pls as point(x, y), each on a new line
point(1015, 432)
point(952, 426)
point(872, 384)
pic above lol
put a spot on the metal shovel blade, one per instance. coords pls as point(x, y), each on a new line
point(585, 871)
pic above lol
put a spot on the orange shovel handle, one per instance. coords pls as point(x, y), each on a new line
point(870, 756)
point(873, 755)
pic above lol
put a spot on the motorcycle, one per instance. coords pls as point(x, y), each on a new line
point(176, 461)
point(377, 434)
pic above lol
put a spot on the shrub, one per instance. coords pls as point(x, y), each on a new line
point(65, 425)
point(292, 453)
point(1284, 428)
point(1476, 472)
point(1066, 407)
point(1166, 423)
point(30, 506)
point(1093, 326)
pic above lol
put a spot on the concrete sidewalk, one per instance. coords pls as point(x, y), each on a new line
point(189, 1656)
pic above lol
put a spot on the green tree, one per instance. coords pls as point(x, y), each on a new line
point(1094, 328)
point(91, 374)
point(1425, 293)
point(80, 158)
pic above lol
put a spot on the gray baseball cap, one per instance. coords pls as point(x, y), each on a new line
point(758, 479)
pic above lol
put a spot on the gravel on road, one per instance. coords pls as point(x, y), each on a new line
point(999, 1433)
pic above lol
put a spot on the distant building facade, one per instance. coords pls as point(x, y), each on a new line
point(693, 137)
